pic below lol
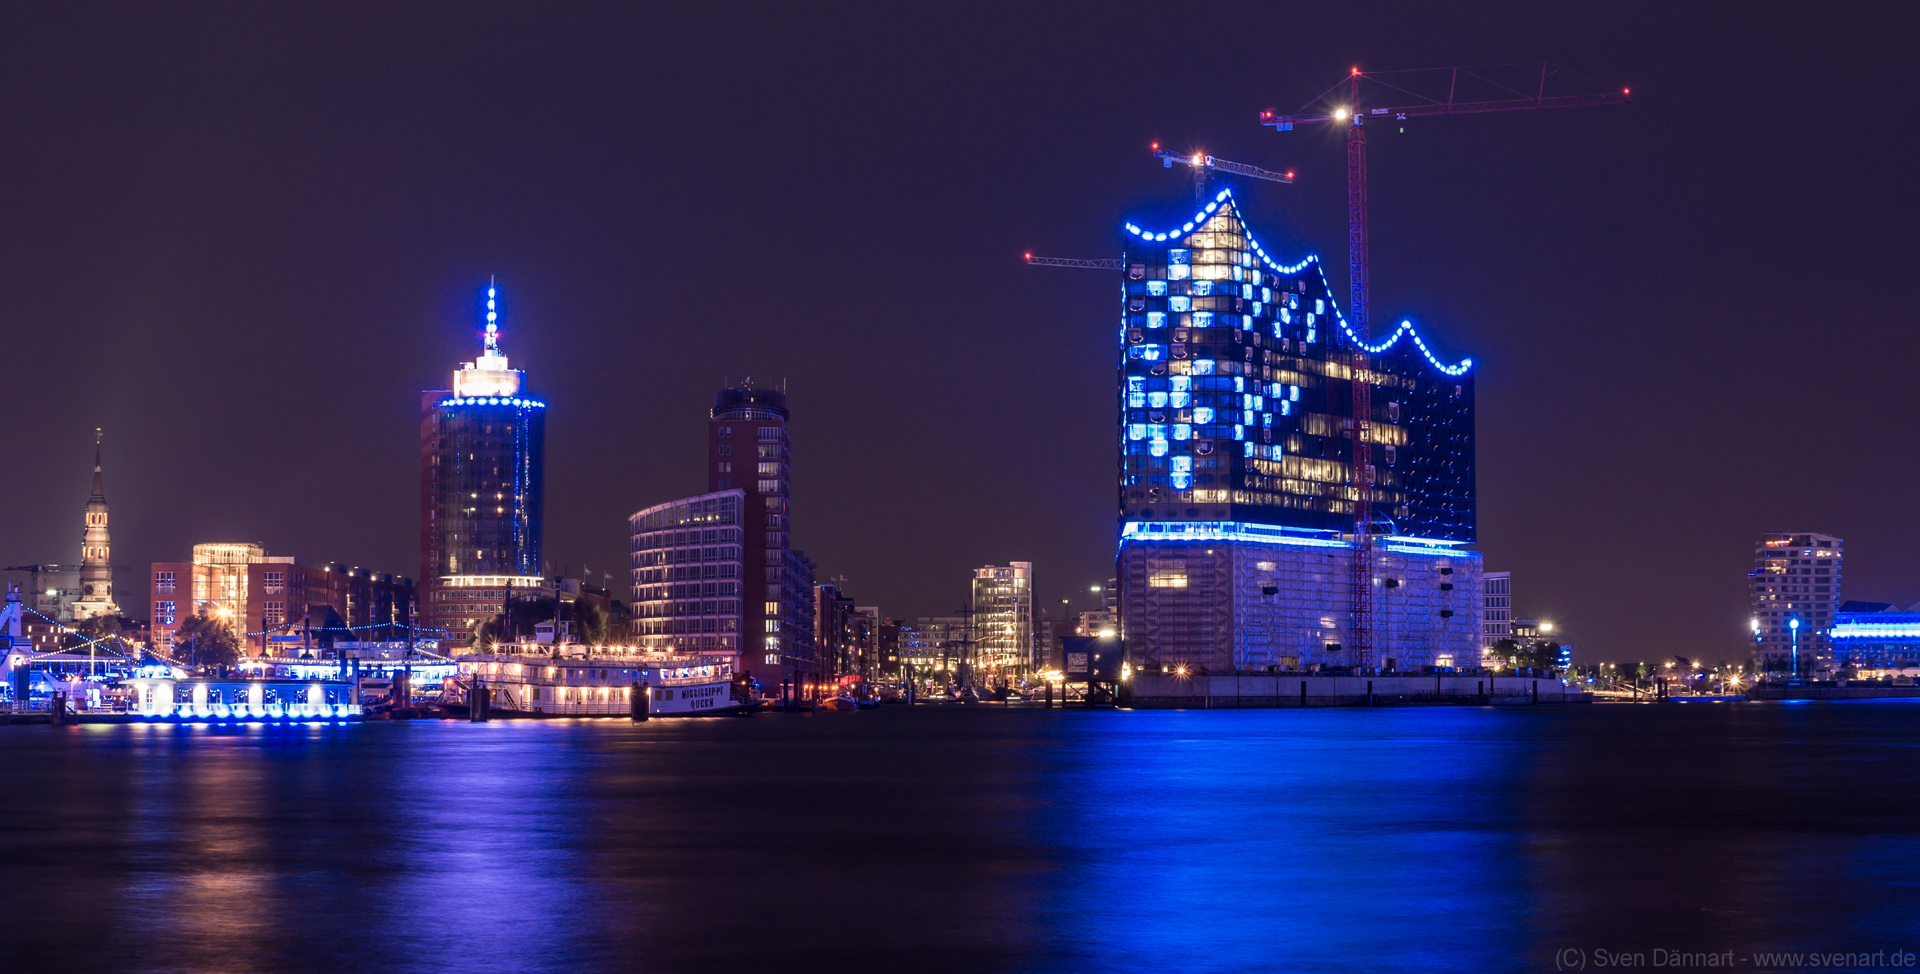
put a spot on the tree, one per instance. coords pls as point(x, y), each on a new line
point(209, 639)
point(1538, 654)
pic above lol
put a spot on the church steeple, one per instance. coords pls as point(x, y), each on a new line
point(96, 550)
point(98, 494)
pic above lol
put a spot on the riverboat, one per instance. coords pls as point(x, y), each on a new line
point(213, 699)
point(536, 680)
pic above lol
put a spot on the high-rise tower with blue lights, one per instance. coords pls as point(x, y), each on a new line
point(482, 487)
point(1237, 453)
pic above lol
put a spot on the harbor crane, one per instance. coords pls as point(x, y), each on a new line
point(1204, 164)
point(1495, 88)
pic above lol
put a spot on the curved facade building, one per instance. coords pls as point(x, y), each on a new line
point(1237, 462)
point(482, 488)
point(718, 572)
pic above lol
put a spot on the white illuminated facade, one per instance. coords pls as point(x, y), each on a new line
point(1003, 619)
point(1795, 594)
point(687, 577)
point(1496, 619)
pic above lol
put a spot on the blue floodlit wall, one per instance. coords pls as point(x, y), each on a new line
point(1236, 395)
point(1876, 640)
point(492, 485)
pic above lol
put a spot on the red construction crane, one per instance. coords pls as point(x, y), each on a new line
point(1203, 164)
point(1493, 88)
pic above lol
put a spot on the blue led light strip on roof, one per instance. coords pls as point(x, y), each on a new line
point(1222, 531)
point(1876, 630)
point(1225, 198)
point(493, 401)
point(1406, 327)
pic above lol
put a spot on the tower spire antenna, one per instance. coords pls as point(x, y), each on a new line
point(99, 494)
point(493, 315)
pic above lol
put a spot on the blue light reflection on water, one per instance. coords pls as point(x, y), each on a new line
point(965, 839)
point(1275, 838)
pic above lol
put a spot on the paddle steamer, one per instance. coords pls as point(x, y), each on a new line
point(533, 680)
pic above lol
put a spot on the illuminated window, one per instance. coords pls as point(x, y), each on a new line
point(1158, 319)
point(1166, 573)
point(1157, 289)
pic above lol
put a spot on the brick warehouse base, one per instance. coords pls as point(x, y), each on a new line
point(1164, 691)
point(1203, 603)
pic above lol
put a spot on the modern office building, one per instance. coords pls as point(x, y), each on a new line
point(931, 647)
point(747, 449)
point(1876, 640)
point(1496, 614)
point(1795, 592)
point(1237, 467)
point(270, 600)
point(769, 596)
point(96, 553)
point(1003, 621)
point(689, 576)
point(482, 487)
point(833, 630)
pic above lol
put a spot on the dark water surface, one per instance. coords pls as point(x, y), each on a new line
point(966, 839)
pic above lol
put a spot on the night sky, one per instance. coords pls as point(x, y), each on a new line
point(243, 238)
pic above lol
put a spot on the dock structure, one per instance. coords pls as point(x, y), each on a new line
point(1170, 691)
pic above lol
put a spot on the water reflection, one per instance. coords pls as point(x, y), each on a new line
point(963, 839)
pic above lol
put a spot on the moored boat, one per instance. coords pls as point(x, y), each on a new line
point(532, 680)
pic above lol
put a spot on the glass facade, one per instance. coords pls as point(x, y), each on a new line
point(1236, 396)
point(491, 455)
point(1236, 469)
point(482, 488)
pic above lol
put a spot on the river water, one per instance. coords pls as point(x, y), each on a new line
point(968, 839)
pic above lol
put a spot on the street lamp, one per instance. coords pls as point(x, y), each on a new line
point(1793, 625)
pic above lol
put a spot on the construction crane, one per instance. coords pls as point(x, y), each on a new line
point(1098, 263)
point(1203, 164)
point(1499, 96)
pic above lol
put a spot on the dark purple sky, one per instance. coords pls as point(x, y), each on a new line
point(243, 239)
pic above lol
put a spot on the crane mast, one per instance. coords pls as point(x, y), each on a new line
point(1360, 629)
point(1506, 98)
